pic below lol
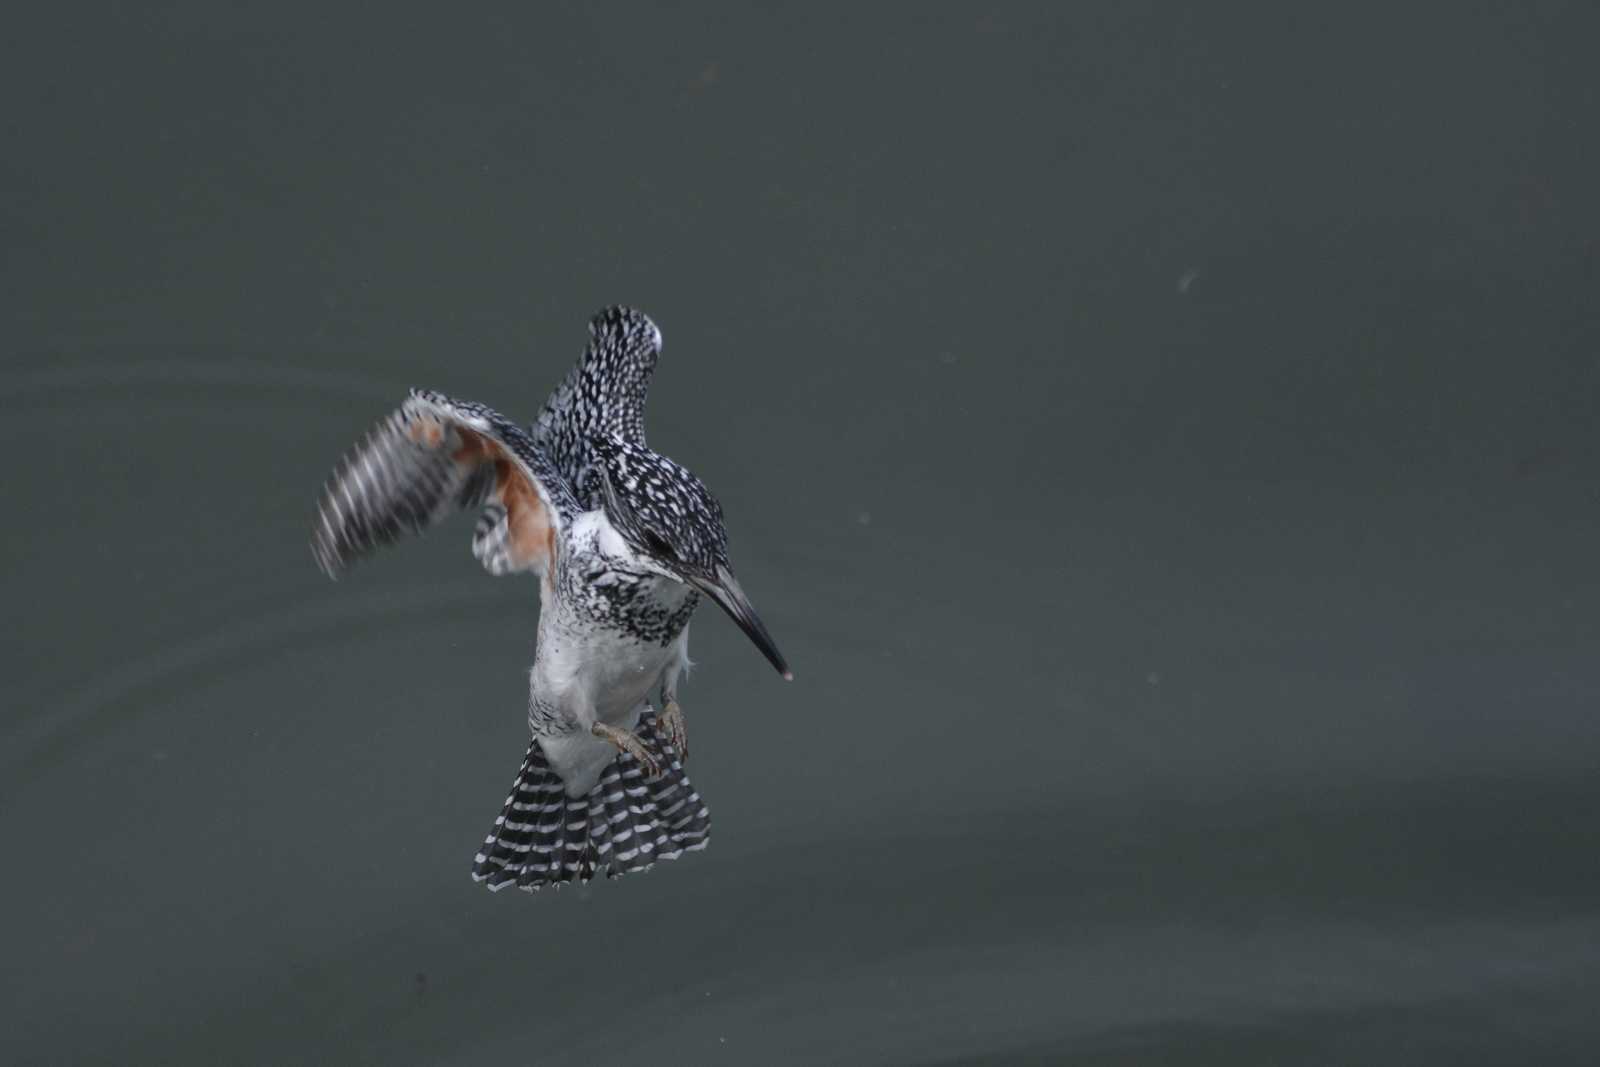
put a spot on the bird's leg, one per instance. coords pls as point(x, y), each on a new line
point(629, 742)
point(672, 723)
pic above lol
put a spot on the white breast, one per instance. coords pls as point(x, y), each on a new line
point(601, 678)
point(596, 674)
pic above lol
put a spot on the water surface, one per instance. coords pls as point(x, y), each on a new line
point(1160, 439)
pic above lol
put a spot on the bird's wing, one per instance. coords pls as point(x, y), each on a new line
point(429, 459)
point(604, 395)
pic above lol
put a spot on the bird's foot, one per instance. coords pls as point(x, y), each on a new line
point(675, 729)
point(629, 742)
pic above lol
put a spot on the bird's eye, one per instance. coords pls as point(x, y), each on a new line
point(657, 544)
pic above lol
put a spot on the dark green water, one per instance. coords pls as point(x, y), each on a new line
point(1161, 439)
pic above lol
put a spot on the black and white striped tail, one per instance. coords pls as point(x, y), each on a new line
point(625, 824)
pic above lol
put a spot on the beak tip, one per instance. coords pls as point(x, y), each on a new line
point(726, 592)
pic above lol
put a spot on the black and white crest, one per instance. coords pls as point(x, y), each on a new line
point(660, 507)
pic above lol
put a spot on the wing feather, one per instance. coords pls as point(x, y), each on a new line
point(602, 396)
point(428, 460)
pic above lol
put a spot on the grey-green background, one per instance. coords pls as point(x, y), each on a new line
point(1160, 436)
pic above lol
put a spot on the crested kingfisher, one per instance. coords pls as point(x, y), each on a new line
point(623, 542)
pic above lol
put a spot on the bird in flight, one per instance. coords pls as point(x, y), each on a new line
point(623, 542)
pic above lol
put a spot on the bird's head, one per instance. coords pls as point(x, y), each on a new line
point(672, 526)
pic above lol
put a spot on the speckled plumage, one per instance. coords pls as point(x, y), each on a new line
point(623, 541)
point(602, 397)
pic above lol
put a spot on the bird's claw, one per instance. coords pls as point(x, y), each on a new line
point(649, 765)
point(675, 729)
point(629, 742)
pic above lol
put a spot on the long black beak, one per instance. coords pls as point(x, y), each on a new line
point(722, 588)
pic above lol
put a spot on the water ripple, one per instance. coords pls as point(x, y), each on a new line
point(49, 740)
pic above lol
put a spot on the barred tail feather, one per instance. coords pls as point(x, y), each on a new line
point(625, 823)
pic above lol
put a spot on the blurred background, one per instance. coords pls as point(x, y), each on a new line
point(1160, 437)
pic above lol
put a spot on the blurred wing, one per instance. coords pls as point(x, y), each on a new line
point(431, 458)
